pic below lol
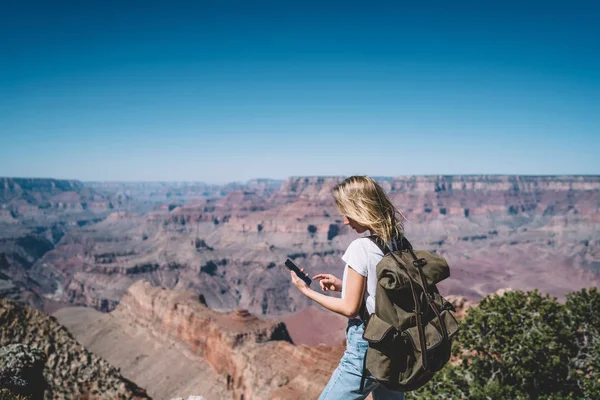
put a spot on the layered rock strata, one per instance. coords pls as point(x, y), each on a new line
point(229, 243)
point(525, 232)
point(254, 358)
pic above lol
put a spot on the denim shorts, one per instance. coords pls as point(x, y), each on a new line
point(345, 381)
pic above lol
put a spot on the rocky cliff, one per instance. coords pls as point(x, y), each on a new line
point(254, 358)
point(467, 195)
point(70, 371)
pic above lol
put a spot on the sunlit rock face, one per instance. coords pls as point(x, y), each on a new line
point(247, 356)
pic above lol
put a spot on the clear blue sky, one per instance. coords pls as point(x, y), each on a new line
point(229, 90)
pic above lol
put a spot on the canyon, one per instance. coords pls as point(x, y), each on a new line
point(219, 355)
point(182, 285)
point(171, 343)
point(495, 231)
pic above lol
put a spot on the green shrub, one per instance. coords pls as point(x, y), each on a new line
point(583, 308)
point(524, 345)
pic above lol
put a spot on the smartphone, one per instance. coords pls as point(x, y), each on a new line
point(290, 264)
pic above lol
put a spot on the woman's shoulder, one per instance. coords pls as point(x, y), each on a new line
point(365, 244)
point(362, 254)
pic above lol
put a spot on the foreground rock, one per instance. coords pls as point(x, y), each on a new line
point(22, 371)
point(71, 371)
point(246, 356)
point(189, 398)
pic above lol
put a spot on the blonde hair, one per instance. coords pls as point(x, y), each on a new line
point(364, 200)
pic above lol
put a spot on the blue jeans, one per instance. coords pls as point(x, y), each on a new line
point(345, 381)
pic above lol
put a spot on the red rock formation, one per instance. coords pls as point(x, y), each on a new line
point(256, 356)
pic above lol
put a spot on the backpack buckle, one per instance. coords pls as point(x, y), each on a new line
point(420, 263)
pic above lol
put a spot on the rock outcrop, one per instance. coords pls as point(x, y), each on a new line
point(70, 371)
point(254, 358)
point(22, 371)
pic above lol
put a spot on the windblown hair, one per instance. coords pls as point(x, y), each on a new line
point(363, 200)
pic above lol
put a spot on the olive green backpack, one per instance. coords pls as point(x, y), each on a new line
point(410, 333)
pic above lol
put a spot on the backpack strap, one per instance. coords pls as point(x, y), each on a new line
point(363, 376)
point(364, 313)
point(379, 243)
point(418, 314)
point(419, 263)
point(402, 243)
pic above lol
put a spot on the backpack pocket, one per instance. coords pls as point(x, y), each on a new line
point(438, 350)
point(433, 332)
point(377, 330)
point(383, 360)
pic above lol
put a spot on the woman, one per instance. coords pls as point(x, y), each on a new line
point(365, 207)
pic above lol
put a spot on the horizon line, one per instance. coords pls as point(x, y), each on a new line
point(84, 181)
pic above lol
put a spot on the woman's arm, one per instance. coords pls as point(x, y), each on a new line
point(349, 305)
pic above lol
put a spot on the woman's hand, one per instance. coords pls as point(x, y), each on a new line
point(329, 282)
point(299, 283)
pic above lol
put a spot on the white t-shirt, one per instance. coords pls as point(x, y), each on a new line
point(362, 255)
